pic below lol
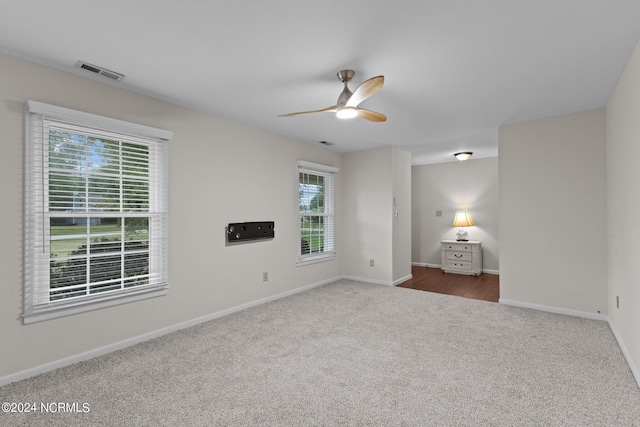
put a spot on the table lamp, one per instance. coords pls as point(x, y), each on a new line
point(462, 219)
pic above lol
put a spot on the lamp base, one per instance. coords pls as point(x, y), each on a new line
point(462, 236)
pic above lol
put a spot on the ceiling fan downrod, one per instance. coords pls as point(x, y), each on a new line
point(345, 77)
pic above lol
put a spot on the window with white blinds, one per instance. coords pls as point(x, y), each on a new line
point(317, 229)
point(96, 211)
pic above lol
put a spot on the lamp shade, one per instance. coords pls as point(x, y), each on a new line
point(462, 219)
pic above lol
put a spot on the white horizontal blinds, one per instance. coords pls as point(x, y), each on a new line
point(316, 185)
point(159, 214)
point(36, 254)
point(97, 211)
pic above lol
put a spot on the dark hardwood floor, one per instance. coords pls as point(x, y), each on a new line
point(484, 287)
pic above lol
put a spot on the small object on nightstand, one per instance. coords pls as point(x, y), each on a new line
point(461, 257)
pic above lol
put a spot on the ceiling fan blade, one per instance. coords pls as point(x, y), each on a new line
point(365, 90)
point(331, 109)
point(371, 115)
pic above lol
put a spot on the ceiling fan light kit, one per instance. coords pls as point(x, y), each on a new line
point(347, 105)
point(346, 113)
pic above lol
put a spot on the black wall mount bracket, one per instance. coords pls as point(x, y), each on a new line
point(243, 231)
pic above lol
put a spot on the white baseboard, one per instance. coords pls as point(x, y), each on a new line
point(402, 280)
point(379, 282)
point(423, 264)
point(32, 372)
point(557, 310)
point(363, 279)
point(627, 355)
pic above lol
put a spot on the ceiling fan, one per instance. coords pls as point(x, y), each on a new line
point(347, 105)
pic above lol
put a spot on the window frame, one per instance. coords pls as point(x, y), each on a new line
point(38, 304)
point(329, 201)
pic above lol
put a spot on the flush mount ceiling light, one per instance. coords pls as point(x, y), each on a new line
point(465, 155)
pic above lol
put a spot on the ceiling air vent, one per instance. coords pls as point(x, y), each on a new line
point(325, 143)
point(100, 71)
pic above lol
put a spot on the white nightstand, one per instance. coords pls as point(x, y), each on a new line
point(461, 257)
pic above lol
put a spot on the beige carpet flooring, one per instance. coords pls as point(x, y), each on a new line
point(352, 354)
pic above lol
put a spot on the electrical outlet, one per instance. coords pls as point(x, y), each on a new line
point(617, 301)
point(371, 262)
point(438, 213)
point(265, 276)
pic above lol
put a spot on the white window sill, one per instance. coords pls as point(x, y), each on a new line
point(315, 259)
point(85, 306)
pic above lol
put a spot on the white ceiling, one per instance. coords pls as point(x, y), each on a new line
point(454, 70)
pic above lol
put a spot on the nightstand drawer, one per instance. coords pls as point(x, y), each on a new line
point(459, 265)
point(458, 247)
point(459, 256)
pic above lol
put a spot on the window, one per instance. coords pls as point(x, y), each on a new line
point(316, 188)
point(95, 212)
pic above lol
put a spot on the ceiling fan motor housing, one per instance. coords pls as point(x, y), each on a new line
point(346, 75)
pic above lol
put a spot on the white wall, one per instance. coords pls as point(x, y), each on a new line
point(470, 185)
point(367, 230)
point(623, 203)
point(369, 226)
point(401, 211)
point(220, 172)
point(552, 212)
